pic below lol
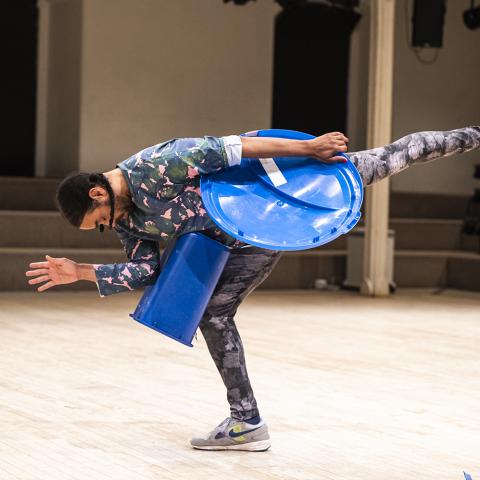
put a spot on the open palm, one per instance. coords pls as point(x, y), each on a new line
point(55, 271)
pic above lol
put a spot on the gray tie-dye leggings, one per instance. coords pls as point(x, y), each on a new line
point(248, 267)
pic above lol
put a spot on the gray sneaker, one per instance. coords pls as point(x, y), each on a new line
point(235, 435)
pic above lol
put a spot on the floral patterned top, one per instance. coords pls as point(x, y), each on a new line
point(164, 182)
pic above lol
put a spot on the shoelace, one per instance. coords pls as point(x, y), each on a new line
point(219, 428)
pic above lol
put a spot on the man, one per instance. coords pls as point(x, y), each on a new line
point(154, 196)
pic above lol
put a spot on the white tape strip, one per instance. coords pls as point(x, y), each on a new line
point(273, 172)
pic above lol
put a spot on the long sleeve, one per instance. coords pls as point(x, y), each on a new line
point(182, 159)
point(142, 268)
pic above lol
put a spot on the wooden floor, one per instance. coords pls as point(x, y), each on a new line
point(352, 388)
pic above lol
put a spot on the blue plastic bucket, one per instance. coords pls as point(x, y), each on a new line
point(175, 304)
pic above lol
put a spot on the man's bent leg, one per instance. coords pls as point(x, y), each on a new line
point(379, 163)
point(244, 271)
point(225, 347)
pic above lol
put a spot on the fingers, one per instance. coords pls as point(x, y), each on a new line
point(39, 265)
point(340, 135)
point(46, 286)
point(39, 271)
point(334, 159)
point(54, 260)
point(47, 263)
point(41, 279)
point(339, 147)
point(338, 158)
point(339, 142)
point(42, 269)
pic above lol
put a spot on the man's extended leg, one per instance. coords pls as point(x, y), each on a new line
point(420, 147)
point(244, 271)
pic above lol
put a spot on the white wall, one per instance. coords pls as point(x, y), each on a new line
point(157, 69)
point(441, 96)
point(358, 81)
point(59, 89)
point(124, 74)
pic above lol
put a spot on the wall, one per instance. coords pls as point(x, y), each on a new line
point(157, 69)
point(125, 74)
point(358, 81)
point(440, 96)
point(59, 89)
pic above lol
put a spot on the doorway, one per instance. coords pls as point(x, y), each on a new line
point(311, 59)
point(18, 82)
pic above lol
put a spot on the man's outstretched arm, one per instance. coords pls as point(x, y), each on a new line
point(58, 271)
point(141, 269)
point(182, 159)
point(86, 271)
point(322, 148)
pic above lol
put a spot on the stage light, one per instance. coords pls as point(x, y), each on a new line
point(238, 2)
point(291, 3)
point(471, 17)
point(346, 4)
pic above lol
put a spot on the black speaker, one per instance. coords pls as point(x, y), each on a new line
point(428, 19)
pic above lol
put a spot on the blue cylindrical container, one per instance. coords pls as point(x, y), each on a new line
point(175, 304)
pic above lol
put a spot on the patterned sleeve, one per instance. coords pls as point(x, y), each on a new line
point(185, 158)
point(142, 268)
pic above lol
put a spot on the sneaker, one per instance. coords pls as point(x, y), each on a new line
point(233, 434)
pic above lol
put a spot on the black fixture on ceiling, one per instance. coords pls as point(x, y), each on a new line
point(471, 17)
point(238, 2)
point(347, 4)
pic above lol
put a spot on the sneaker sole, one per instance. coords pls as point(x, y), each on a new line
point(260, 446)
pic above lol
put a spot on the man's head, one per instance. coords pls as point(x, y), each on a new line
point(86, 200)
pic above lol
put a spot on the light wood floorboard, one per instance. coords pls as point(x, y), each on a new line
point(351, 387)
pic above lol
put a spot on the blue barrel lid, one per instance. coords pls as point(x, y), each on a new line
point(284, 203)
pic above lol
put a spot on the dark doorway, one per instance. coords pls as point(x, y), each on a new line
point(312, 47)
point(18, 51)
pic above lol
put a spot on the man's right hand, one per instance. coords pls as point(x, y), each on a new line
point(55, 271)
point(324, 147)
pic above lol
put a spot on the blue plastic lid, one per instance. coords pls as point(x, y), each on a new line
point(284, 203)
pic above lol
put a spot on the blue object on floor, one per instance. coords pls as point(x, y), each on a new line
point(175, 304)
point(284, 203)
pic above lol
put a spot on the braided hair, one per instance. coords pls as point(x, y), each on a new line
point(72, 197)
